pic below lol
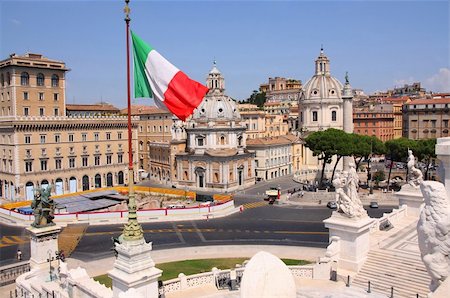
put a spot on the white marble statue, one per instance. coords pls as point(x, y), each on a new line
point(415, 176)
point(433, 230)
point(346, 188)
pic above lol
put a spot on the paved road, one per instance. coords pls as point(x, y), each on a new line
point(260, 223)
point(281, 225)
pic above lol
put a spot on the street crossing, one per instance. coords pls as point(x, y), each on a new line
point(255, 204)
point(13, 240)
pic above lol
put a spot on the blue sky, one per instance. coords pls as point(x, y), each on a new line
point(381, 44)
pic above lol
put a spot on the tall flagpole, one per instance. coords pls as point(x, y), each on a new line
point(132, 230)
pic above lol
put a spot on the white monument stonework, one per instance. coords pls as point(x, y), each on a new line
point(134, 268)
point(410, 194)
point(443, 154)
point(43, 244)
point(433, 231)
point(354, 239)
point(266, 276)
point(350, 223)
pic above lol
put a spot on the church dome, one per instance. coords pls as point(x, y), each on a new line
point(322, 85)
point(216, 105)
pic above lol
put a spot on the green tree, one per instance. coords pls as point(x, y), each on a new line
point(322, 147)
point(397, 150)
point(364, 147)
point(378, 177)
point(326, 144)
point(257, 98)
point(425, 152)
point(343, 143)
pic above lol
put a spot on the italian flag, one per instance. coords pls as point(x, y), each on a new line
point(156, 77)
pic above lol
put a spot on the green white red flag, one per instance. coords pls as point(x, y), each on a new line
point(157, 78)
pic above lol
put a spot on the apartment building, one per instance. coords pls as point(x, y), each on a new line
point(40, 146)
point(375, 120)
point(427, 118)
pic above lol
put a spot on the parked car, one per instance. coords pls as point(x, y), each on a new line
point(373, 205)
point(332, 205)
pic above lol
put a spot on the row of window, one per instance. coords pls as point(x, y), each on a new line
point(25, 79)
point(315, 116)
point(40, 79)
point(26, 111)
point(26, 96)
point(426, 123)
point(6, 166)
point(154, 128)
point(70, 138)
point(41, 96)
point(72, 162)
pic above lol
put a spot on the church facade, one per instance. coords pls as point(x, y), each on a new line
point(324, 103)
point(215, 157)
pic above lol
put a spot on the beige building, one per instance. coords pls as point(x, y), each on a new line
point(273, 156)
point(427, 118)
point(397, 106)
point(32, 85)
point(254, 119)
point(154, 138)
point(282, 89)
point(276, 125)
point(40, 146)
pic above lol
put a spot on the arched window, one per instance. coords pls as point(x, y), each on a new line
point(55, 80)
point(98, 181)
point(222, 140)
point(24, 79)
point(8, 78)
point(40, 79)
point(141, 145)
point(333, 116)
point(2, 80)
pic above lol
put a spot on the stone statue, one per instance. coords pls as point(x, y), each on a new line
point(433, 230)
point(415, 176)
point(347, 199)
point(43, 208)
point(346, 78)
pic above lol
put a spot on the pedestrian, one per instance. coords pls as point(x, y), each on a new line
point(19, 255)
point(302, 193)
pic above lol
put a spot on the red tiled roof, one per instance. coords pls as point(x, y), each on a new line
point(144, 110)
point(402, 99)
point(93, 107)
point(430, 101)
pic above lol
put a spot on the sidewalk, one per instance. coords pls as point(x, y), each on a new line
point(322, 198)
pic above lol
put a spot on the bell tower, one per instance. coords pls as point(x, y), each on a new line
point(215, 81)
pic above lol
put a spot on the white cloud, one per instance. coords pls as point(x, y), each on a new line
point(16, 22)
point(402, 82)
point(439, 82)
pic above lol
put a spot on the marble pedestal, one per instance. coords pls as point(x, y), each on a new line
point(354, 239)
point(135, 269)
point(43, 244)
point(411, 197)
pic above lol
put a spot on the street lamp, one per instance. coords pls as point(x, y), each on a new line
point(49, 260)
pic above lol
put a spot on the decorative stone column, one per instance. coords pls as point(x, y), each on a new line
point(43, 242)
point(134, 268)
point(347, 97)
point(354, 239)
point(443, 154)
